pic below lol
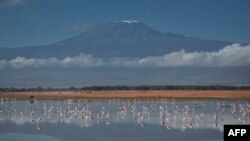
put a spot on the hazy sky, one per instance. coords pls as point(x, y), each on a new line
point(38, 22)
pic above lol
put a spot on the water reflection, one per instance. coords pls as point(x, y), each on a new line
point(171, 114)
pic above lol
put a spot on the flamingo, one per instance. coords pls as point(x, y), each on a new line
point(37, 124)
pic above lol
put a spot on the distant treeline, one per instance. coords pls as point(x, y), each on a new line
point(123, 88)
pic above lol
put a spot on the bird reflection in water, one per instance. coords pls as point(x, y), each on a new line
point(168, 113)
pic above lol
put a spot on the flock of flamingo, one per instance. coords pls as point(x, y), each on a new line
point(169, 113)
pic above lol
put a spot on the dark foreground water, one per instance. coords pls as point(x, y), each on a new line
point(123, 120)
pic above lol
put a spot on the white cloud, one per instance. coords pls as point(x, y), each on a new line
point(20, 62)
point(232, 55)
point(83, 60)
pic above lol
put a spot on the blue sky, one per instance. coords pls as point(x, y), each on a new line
point(39, 22)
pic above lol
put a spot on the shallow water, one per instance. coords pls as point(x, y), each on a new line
point(116, 119)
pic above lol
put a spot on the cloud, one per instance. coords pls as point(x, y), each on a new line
point(232, 55)
point(82, 60)
point(4, 3)
point(20, 62)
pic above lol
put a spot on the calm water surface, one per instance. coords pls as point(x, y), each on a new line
point(123, 120)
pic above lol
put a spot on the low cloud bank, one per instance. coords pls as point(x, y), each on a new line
point(82, 60)
point(232, 55)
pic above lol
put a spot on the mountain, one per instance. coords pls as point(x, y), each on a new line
point(117, 39)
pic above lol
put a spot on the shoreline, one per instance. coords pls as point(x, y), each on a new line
point(145, 94)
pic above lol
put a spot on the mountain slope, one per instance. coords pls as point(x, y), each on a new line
point(117, 39)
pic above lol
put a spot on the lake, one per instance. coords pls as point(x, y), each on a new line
point(119, 119)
